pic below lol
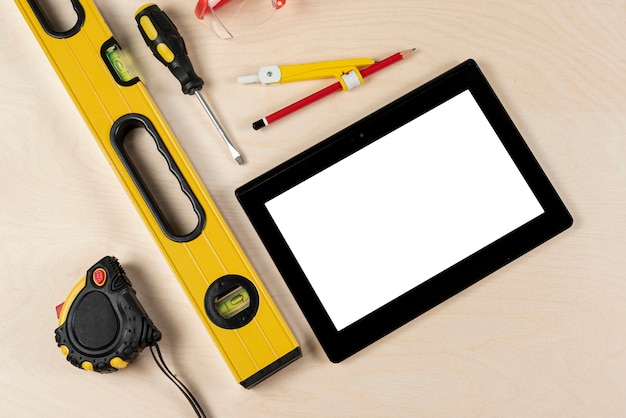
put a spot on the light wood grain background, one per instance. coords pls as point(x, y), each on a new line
point(543, 337)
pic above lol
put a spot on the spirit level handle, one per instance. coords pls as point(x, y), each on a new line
point(49, 29)
point(165, 42)
point(123, 126)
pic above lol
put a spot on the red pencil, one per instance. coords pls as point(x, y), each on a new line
point(367, 71)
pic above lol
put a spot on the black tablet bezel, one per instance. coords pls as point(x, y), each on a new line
point(339, 345)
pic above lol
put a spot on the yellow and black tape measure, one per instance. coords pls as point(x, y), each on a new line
point(102, 325)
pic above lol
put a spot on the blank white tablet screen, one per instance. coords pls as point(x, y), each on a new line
point(401, 210)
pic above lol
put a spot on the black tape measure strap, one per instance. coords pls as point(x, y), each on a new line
point(158, 359)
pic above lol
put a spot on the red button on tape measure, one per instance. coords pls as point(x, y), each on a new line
point(99, 276)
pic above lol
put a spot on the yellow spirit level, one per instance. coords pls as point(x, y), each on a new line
point(211, 267)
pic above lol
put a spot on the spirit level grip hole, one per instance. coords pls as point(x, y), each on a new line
point(60, 19)
point(158, 178)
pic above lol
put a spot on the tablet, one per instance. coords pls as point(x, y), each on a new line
point(407, 207)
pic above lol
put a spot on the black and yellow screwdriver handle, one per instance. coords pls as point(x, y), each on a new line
point(167, 45)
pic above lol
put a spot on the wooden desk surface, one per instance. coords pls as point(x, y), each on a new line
point(544, 336)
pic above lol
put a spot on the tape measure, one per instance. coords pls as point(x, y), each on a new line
point(255, 340)
point(102, 325)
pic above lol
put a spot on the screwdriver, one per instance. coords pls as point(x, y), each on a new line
point(168, 46)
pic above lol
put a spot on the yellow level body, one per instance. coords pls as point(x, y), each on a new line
point(208, 262)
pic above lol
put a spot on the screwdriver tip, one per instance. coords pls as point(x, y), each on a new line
point(239, 160)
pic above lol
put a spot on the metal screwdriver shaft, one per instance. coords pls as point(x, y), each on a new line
point(220, 130)
point(168, 46)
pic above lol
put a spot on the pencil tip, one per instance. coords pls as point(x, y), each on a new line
point(408, 52)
